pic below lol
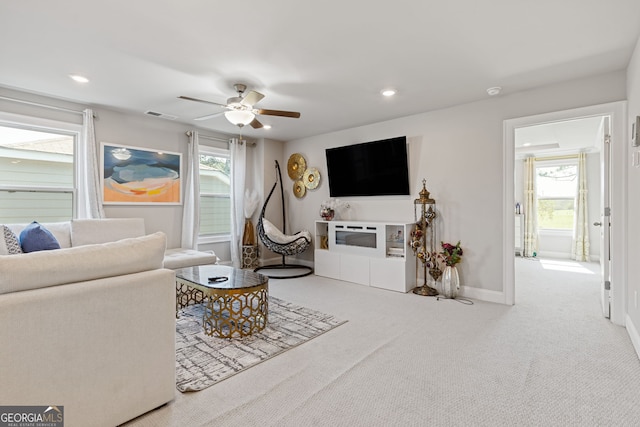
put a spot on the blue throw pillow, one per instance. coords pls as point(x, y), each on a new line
point(37, 238)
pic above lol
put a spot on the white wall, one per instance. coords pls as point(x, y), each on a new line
point(459, 151)
point(633, 206)
point(268, 151)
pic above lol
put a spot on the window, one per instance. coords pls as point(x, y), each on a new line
point(36, 174)
point(215, 192)
point(556, 187)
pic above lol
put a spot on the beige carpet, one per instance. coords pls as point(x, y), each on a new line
point(407, 360)
point(203, 360)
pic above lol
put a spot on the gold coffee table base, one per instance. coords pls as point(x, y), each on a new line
point(186, 296)
point(233, 313)
point(236, 301)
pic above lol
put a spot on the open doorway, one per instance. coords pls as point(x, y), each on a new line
point(557, 183)
point(615, 297)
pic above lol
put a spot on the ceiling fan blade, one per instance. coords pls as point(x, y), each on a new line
point(252, 98)
point(209, 116)
point(292, 114)
point(255, 123)
point(188, 98)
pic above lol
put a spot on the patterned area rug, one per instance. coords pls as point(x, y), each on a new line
point(202, 361)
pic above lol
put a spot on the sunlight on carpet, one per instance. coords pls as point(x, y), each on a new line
point(202, 360)
point(564, 265)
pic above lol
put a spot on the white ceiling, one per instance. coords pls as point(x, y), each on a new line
point(564, 137)
point(329, 60)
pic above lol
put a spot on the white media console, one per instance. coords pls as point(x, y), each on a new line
point(369, 253)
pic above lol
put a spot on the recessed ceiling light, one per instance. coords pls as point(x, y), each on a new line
point(388, 92)
point(78, 78)
point(526, 144)
point(493, 91)
point(266, 127)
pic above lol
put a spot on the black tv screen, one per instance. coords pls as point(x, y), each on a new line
point(377, 168)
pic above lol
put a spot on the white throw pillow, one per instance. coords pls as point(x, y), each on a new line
point(277, 236)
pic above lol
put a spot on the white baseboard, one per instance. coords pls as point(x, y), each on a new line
point(268, 261)
point(482, 294)
point(289, 260)
point(564, 255)
point(551, 254)
point(633, 334)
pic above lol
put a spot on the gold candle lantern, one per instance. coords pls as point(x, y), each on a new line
point(425, 241)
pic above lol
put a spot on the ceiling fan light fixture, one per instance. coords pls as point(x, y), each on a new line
point(239, 117)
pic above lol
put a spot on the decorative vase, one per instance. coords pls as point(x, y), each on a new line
point(249, 256)
point(327, 214)
point(450, 282)
point(248, 236)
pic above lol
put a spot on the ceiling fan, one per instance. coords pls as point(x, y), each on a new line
point(239, 109)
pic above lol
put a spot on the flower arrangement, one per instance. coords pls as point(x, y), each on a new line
point(329, 207)
point(450, 254)
point(327, 214)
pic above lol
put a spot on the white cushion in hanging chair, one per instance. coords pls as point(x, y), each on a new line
point(274, 234)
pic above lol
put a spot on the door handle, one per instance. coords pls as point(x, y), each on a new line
point(597, 224)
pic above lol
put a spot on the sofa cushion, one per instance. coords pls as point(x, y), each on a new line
point(181, 258)
point(70, 265)
point(36, 237)
point(277, 236)
point(92, 231)
point(60, 230)
point(9, 244)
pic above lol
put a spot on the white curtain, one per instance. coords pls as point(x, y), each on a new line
point(191, 199)
point(580, 243)
point(89, 203)
point(530, 208)
point(238, 172)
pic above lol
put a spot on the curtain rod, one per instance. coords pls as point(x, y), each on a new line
point(37, 104)
point(213, 138)
point(568, 156)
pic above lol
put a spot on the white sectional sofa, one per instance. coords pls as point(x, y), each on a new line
point(91, 326)
point(79, 232)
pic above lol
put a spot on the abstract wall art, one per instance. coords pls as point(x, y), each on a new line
point(133, 175)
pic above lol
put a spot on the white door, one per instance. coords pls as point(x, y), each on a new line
point(605, 217)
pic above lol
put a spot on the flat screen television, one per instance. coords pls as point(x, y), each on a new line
point(376, 168)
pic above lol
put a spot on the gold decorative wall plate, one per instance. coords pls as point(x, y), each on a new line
point(299, 189)
point(296, 166)
point(311, 178)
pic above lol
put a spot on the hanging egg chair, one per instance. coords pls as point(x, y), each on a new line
point(279, 242)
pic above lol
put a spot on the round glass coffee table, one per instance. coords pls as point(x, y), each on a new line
point(236, 301)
